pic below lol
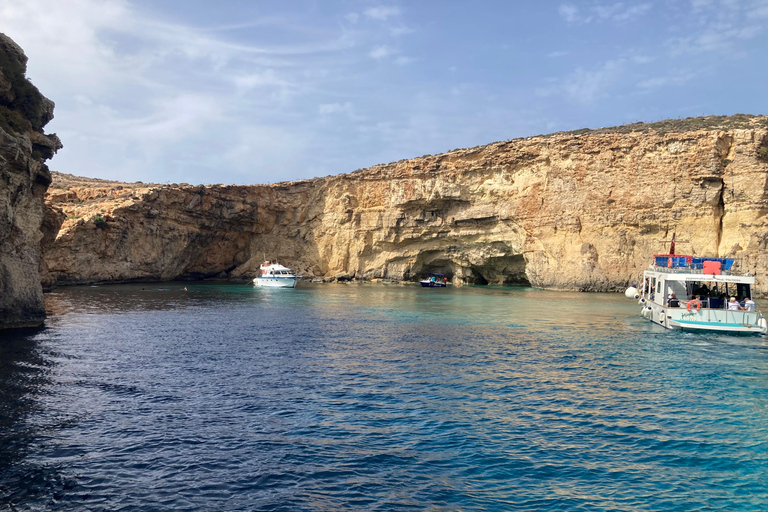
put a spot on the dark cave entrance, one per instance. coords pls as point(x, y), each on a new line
point(496, 271)
point(478, 279)
point(436, 267)
point(500, 271)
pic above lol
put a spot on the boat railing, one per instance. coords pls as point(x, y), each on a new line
point(730, 315)
point(689, 270)
point(686, 264)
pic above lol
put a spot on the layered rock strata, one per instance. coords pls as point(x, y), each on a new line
point(575, 211)
point(24, 179)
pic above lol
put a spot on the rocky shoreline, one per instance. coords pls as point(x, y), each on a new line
point(582, 210)
point(569, 211)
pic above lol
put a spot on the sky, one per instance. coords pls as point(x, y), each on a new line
point(251, 91)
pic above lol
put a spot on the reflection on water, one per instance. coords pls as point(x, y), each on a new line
point(335, 397)
point(24, 377)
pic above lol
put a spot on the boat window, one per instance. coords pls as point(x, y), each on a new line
point(742, 291)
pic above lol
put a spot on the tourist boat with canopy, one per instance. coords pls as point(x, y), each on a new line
point(274, 275)
point(434, 281)
point(698, 294)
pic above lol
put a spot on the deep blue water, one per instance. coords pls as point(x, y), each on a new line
point(375, 397)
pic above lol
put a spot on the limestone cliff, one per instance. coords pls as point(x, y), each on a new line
point(24, 179)
point(580, 211)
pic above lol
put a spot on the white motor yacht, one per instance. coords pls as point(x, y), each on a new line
point(274, 275)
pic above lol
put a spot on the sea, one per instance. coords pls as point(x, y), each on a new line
point(207, 396)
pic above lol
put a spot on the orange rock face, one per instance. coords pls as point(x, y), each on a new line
point(565, 211)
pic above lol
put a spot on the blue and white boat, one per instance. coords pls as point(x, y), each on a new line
point(274, 275)
point(434, 281)
point(698, 294)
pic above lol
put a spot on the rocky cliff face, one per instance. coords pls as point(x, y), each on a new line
point(579, 211)
point(24, 179)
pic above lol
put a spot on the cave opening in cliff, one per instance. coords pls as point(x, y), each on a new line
point(508, 270)
point(439, 265)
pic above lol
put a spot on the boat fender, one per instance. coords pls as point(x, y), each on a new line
point(662, 317)
point(631, 293)
point(763, 323)
point(641, 301)
point(693, 304)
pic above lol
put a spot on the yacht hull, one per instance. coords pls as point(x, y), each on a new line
point(276, 282)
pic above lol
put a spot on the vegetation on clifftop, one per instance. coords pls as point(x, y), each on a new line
point(688, 124)
point(23, 107)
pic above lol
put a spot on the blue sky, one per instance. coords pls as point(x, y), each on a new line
point(243, 92)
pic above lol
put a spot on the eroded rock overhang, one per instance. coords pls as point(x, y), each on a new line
point(566, 211)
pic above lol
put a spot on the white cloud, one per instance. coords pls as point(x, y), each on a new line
point(585, 86)
point(334, 108)
point(352, 17)
point(617, 12)
point(402, 60)
point(173, 119)
point(267, 77)
point(556, 54)
point(720, 27)
point(758, 10)
point(133, 93)
point(400, 30)
point(642, 59)
point(717, 38)
point(676, 79)
point(382, 13)
point(380, 52)
point(570, 13)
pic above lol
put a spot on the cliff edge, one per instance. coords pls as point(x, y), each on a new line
point(577, 211)
point(24, 179)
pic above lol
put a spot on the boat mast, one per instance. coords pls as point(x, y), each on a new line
point(672, 243)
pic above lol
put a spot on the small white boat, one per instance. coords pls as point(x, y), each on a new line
point(274, 275)
point(698, 294)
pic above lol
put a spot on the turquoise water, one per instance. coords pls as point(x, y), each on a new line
point(375, 397)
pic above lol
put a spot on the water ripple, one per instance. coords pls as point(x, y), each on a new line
point(227, 397)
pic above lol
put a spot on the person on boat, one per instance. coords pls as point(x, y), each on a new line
point(673, 302)
point(733, 305)
point(749, 304)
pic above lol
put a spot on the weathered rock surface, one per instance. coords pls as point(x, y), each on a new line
point(24, 179)
point(578, 211)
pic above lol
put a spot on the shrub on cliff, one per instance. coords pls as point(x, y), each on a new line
point(100, 223)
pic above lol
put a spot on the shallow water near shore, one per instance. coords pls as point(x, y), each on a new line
point(375, 397)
